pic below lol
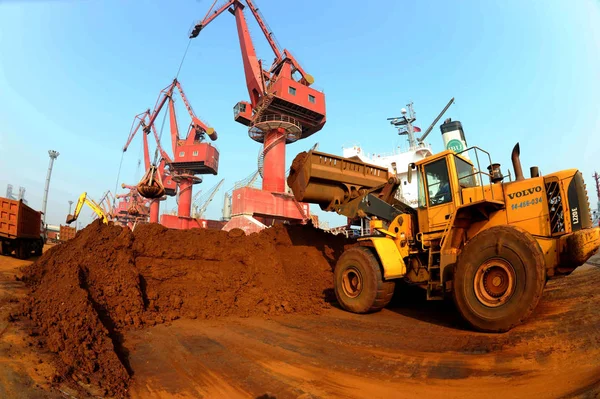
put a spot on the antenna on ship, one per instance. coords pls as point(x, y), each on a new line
point(405, 126)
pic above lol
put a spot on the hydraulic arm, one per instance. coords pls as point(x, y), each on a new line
point(83, 199)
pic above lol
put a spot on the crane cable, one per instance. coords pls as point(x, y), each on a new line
point(164, 118)
point(118, 176)
point(162, 127)
point(183, 58)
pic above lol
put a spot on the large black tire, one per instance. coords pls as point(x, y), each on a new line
point(39, 248)
point(6, 249)
point(23, 250)
point(499, 278)
point(359, 285)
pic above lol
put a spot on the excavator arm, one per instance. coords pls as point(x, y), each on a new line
point(83, 199)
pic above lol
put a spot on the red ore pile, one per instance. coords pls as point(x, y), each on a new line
point(85, 292)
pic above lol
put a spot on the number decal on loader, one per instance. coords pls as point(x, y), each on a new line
point(527, 203)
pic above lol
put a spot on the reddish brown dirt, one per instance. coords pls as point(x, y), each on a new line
point(86, 292)
point(412, 349)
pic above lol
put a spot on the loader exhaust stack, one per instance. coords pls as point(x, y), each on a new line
point(516, 161)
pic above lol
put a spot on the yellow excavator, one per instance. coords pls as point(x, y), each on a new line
point(83, 199)
point(491, 246)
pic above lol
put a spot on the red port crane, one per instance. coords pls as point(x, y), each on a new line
point(132, 207)
point(283, 108)
point(170, 187)
point(192, 155)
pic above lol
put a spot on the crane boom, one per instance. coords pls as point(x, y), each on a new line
point(266, 30)
point(140, 118)
point(420, 139)
point(252, 67)
point(199, 126)
point(173, 125)
point(272, 91)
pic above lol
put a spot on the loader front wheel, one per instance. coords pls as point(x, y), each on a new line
point(359, 285)
point(499, 278)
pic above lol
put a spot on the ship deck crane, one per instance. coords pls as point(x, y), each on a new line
point(199, 210)
point(84, 200)
point(283, 108)
point(192, 155)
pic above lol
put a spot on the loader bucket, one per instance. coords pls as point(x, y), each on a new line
point(330, 180)
point(151, 186)
point(70, 219)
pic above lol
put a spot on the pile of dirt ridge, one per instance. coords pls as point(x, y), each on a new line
point(85, 292)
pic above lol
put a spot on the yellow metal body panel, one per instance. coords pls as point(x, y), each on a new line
point(389, 254)
point(376, 224)
point(550, 249)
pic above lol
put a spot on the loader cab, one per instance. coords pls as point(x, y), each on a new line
point(440, 179)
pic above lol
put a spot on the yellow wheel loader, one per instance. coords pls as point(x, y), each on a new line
point(490, 243)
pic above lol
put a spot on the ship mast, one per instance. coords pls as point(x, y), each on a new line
point(404, 125)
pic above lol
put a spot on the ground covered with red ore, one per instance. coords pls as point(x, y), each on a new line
point(85, 292)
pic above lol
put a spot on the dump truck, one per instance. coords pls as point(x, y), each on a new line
point(488, 242)
point(21, 229)
point(67, 233)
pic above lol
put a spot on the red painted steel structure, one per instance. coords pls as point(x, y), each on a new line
point(131, 208)
point(174, 222)
point(283, 108)
point(192, 156)
point(140, 120)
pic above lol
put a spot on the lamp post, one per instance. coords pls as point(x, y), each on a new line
point(53, 155)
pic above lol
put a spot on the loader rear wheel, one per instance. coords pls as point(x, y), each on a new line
point(359, 285)
point(499, 278)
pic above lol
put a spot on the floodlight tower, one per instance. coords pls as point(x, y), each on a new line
point(53, 155)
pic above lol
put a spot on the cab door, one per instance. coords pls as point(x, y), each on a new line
point(438, 196)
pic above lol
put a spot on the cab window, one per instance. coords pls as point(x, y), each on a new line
point(438, 183)
point(464, 171)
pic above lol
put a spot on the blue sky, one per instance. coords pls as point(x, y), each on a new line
point(73, 73)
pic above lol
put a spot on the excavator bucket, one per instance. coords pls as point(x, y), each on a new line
point(151, 186)
point(70, 219)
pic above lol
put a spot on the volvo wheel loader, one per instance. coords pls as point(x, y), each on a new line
point(490, 243)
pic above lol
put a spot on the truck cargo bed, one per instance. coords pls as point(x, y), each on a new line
point(18, 220)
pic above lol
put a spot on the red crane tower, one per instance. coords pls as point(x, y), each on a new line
point(170, 187)
point(131, 208)
point(192, 155)
point(283, 108)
